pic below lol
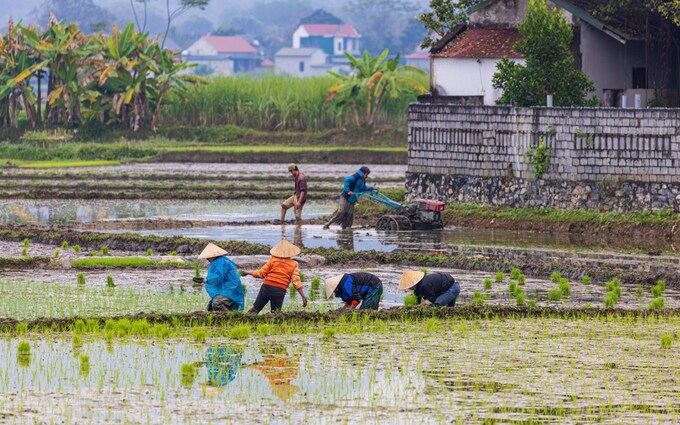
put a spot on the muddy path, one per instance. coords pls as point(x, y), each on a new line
point(599, 266)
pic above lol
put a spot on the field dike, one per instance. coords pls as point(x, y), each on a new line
point(318, 319)
point(539, 263)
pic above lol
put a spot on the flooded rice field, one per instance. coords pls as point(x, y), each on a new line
point(463, 371)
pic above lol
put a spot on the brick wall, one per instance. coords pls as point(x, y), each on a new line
point(615, 159)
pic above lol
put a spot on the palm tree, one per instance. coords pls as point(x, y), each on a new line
point(373, 78)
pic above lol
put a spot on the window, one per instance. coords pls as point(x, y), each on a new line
point(639, 78)
point(340, 46)
point(302, 66)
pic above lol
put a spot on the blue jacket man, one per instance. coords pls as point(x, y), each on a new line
point(222, 283)
point(356, 288)
point(352, 187)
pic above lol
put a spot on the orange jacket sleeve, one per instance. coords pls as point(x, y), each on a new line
point(297, 283)
point(262, 273)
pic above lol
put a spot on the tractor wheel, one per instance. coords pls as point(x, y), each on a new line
point(393, 223)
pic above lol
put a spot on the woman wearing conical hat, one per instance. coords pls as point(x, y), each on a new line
point(435, 289)
point(222, 282)
point(278, 274)
point(356, 288)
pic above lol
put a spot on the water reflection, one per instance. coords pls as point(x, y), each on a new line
point(222, 364)
point(280, 370)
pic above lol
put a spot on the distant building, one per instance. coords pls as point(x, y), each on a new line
point(318, 48)
point(224, 55)
point(334, 40)
point(305, 62)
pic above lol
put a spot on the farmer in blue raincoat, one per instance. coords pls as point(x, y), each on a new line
point(222, 283)
point(356, 288)
point(353, 186)
point(222, 364)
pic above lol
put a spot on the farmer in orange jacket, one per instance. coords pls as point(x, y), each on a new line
point(278, 274)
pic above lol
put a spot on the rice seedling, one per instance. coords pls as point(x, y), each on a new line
point(555, 294)
point(424, 270)
point(565, 287)
point(76, 342)
point(24, 348)
point(173, 253)
point(26, 243)
point(302, 277)
point(556, 277)
point(105, 250)
point(124, 262)
point(64, 246)
point(22, 328)
point(80, 278)
point(666, 341)
point(316, 284)
point(24, 251)
point(197, 269)
point(512, 289)
point(188, 374)
point(411, 300)
point(609, 300)
point(586, 280)
point(109, 282)
point(292, 291)
point(239, 332)
point(658, 288)
point(76, 248)
point(329, 333)
point(160, 330)
point(264, 329)
point(657, 303)
point(531, 303)
point(84, 364)
point(488, 284)
point(56, 253)
point(140, 327)
point(515, 272)
point(500, 277)
point(521, 279)
point(477, 298)
point(93, 254)
point(79, 327)
point(640, 290)
point(245, 288)
point(198, 335)
point(520, 296)
point(149, 252)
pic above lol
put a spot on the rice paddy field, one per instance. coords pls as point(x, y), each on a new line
point(100, 322)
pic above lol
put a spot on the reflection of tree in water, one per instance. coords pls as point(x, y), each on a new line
point(222, 364)
point(280, 369)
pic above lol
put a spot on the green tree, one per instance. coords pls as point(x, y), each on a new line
point(443, 17)
point(670, 9)
point(172, 13)
point(549, 67)
point(373, 78)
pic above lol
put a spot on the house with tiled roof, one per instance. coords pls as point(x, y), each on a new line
point(621, 55)
point(224, 55)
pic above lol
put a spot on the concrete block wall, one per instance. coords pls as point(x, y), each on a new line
point(477, 154)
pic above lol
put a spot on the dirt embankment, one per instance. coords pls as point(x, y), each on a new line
point(348, 156)
point(395, 314)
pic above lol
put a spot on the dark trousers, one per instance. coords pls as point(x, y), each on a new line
point(269, 294)
point(372, 298)
point(222, 303)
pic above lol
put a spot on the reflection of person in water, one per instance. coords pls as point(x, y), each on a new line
point(280, 369)
point(222, 364)
point(346, 239)
point(297, 235)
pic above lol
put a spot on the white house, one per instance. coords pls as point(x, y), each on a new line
point(303, 62)
point(419, 59)
point(225, 55)
point(333, 39)
point(622, 59)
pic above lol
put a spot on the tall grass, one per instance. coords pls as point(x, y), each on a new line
point(271, 102)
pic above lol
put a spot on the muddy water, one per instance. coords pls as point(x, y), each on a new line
point(87, 211)
point(508, 371)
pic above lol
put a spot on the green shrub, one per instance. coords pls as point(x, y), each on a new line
point(488, 284)
point(586, 280)
point(500, 277)
point(657, 303)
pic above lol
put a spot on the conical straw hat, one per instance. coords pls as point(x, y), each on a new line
point(331, 284)
point(409, 279)
point(284, 249)
point(285, 391)
point(212, 251)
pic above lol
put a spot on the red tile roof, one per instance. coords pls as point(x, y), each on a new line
point(230, 44)
point(418, 55)
point(345, 30)
point(482, 43)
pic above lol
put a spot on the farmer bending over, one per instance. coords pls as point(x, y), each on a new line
point(222, 283)
point(352, 187)
point(356, 288)
point(434, 289)
point(278, 273)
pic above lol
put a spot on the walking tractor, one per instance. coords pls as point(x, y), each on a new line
point(425, 214)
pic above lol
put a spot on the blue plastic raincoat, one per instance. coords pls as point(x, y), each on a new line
point(223, 279)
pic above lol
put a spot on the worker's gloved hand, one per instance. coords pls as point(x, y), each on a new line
point(198, 280)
